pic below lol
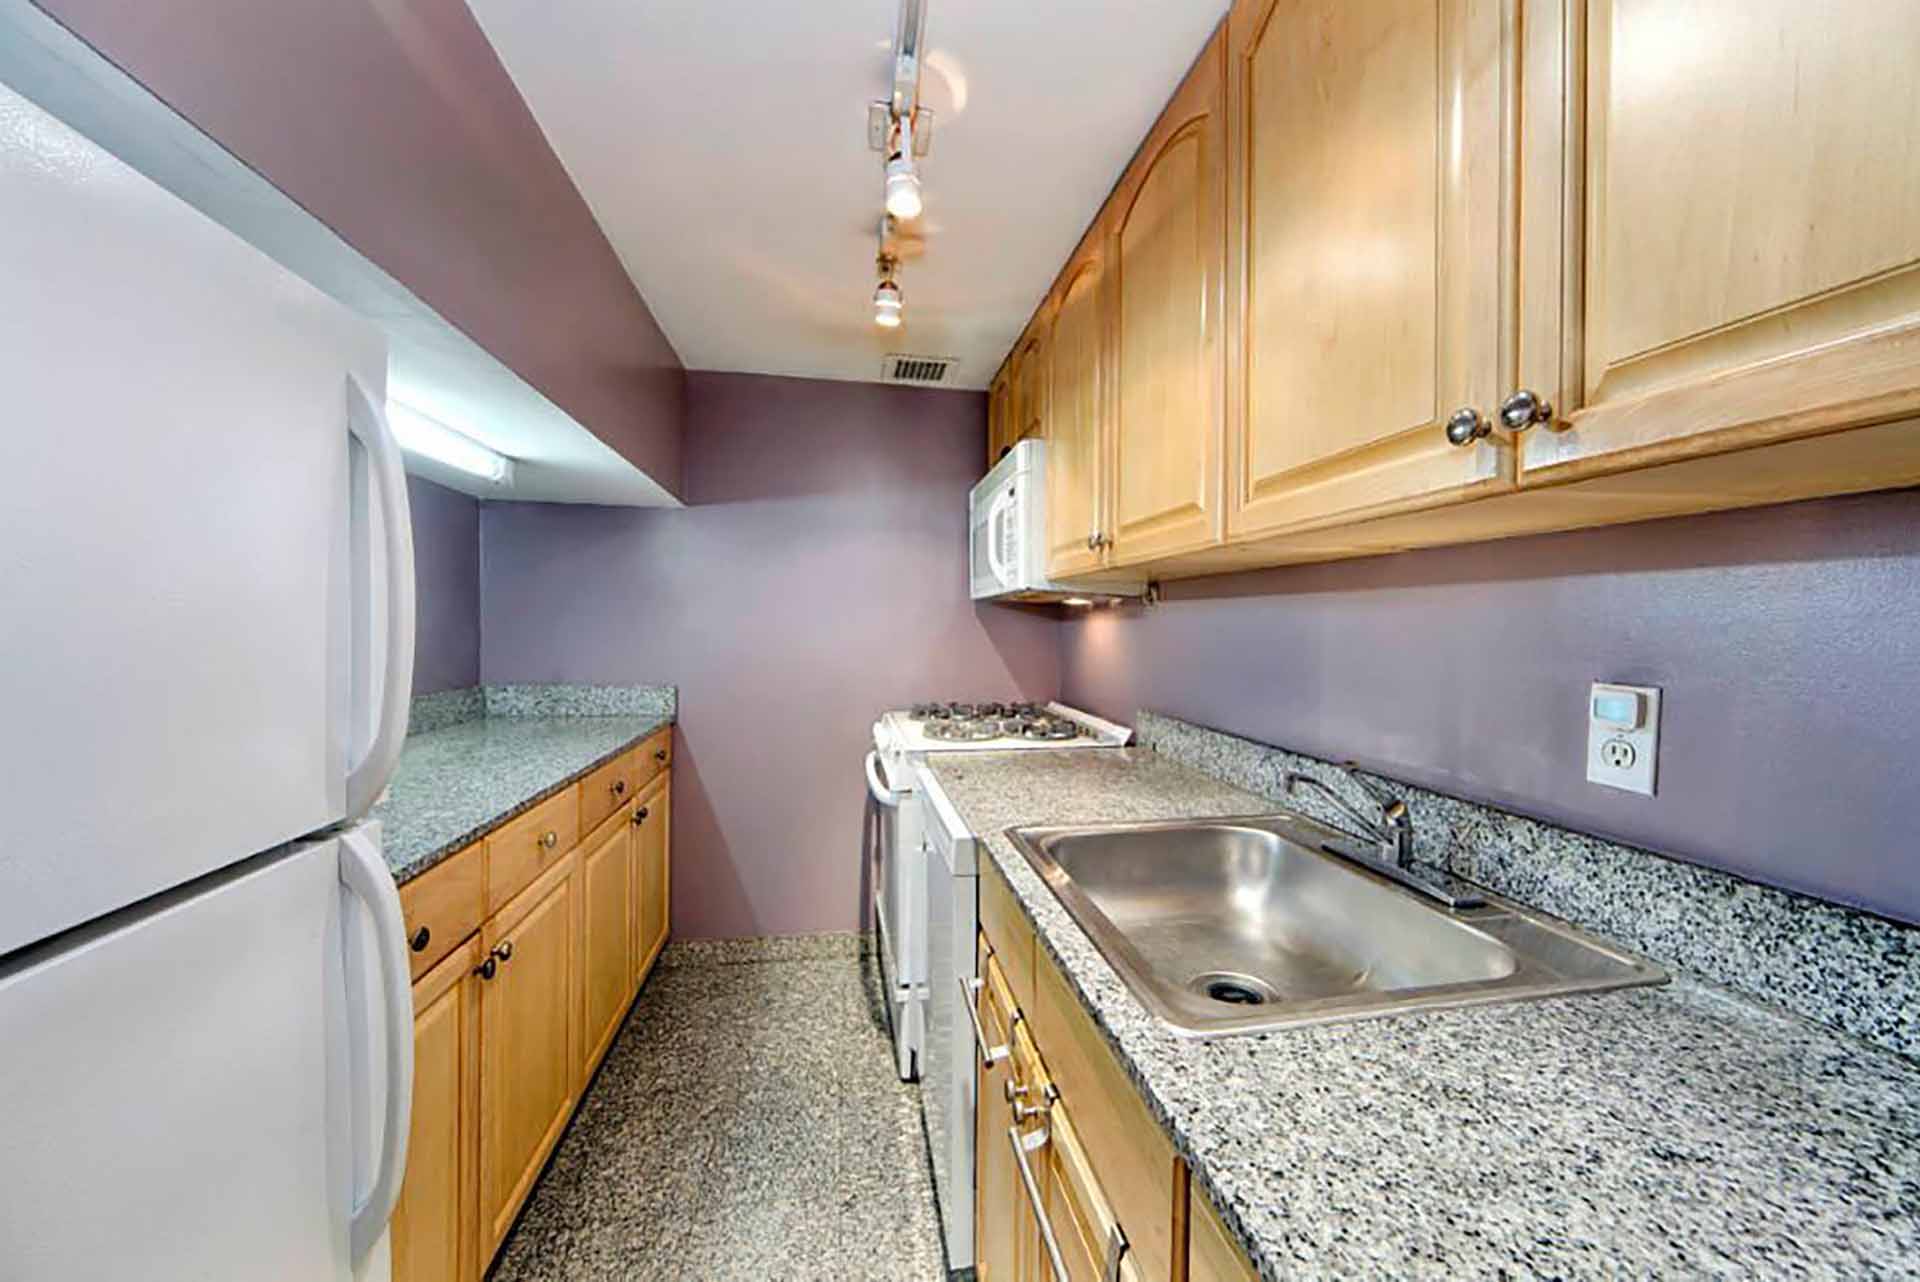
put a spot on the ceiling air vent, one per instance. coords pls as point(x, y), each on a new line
point(917, 369)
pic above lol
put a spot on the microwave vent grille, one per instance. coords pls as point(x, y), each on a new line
point(919, 370)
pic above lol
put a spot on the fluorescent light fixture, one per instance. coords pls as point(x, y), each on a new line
point(1076, 600)
point(422, 434)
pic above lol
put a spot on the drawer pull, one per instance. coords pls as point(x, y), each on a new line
point(619, 787)
point(1022, 1145)
point(487, 969)
point(639, 816)
point(1467, 425)
point(969, 991)
point(1021, 1112)
point(419, 941)
point(1116, 1252)
point(504, 951)
point(549, 839)
point(659, 754)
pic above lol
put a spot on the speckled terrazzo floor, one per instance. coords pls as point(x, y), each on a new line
point(745, 1125)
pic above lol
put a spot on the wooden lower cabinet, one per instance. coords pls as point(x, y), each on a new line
point(653, 881)
point(1212, 1256)
point(1108, 1198)
point(529, 1040)
point(607, 885)
point(433, 1226)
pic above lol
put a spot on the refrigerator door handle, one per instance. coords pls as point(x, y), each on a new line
point(364, 873)
point(369, 777)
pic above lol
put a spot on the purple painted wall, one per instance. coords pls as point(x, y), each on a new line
point(446, 571)
point(1786, 642)
point(396, 125)
point(818, 579)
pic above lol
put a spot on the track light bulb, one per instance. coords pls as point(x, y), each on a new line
point(903, 188)
point(886, 304)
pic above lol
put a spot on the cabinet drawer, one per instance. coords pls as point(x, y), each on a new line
point(607, 789)
point(443, 906)
point(1121, 1138)
point(653, 755)
point(522, 848)
point(1008, 933)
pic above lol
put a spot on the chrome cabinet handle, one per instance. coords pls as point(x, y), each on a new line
point(1523, 409)
point(1116, 1251)
point(1467, 425)
point(548, 840)
point(1021, 1112)
point(989, 1055)
point(1022, 1145)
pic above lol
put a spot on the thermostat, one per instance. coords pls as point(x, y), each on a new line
point(1623, 736)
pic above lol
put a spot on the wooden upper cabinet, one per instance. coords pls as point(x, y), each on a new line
point(1368, 244)
point(1168, 253)
point(1076, 418)
point(1000, 423)
point(1721, 233)
point(1030, 379)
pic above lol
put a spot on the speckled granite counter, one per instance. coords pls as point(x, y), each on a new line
point(456, 782)
point(1655, 1132)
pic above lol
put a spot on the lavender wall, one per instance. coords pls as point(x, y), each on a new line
point(1786, 642)
point(396, 125)
point(446, 571)
point(818, 579)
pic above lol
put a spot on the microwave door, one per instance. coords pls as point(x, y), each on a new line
point(992, 572)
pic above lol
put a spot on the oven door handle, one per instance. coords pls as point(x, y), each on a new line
point(881, 793)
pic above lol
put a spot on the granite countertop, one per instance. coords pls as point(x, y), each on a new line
point(456, 782)
point(1671, 1131)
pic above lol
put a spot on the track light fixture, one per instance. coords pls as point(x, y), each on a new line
point(887, 300)
point(903, 183)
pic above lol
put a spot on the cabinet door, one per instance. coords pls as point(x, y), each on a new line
point(653, 859)
point(1000, 1251)
point(1031, 378)
point(607, 933)
point(1076, 417)
point(529, 1045)
point(1000, 434)
point(1720, 226)
point(1367, 248)
point(1083, 1221)
point(1212, 1256)
point(434, 1229)
point(1169, 252)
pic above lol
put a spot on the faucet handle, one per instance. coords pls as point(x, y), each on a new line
point(1386, 800)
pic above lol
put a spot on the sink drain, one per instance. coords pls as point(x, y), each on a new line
point(1233, 988)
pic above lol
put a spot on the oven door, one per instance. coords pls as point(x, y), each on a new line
point(899, 899)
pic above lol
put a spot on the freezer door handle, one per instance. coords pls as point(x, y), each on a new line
point(388, 480)
point(364, 873)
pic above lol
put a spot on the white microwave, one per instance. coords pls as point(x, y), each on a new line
point(1007, 534)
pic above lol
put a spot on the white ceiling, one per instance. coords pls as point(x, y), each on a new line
point(722, 146)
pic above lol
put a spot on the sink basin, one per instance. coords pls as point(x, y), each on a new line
point(1223, 926)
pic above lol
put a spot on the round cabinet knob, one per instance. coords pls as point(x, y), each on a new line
point(1466, 425)
point(548, 840)
point(504, 951)
point(419, 941)
point(659, 754)
point(640, 815)
point(1523, 409)
point(487, 969)
point(619, 787)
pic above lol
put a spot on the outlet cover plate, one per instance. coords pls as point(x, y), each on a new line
point(1622, 750)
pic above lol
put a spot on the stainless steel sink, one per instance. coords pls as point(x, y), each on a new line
point(1224, 926)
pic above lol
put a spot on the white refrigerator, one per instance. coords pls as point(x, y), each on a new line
point(206, 647)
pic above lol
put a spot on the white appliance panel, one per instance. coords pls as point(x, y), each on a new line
point(186, 591)
point(1007, 533)
point(949, 1079)
point(189, 1085)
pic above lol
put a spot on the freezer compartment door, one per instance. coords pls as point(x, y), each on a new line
point(186, 588)
point(188, 1091)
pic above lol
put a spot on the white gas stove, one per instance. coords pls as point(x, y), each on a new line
point(902, 741)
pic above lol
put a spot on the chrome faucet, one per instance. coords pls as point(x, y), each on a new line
point(1391, 833)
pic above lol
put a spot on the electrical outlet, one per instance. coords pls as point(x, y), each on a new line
point(1623, 736)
